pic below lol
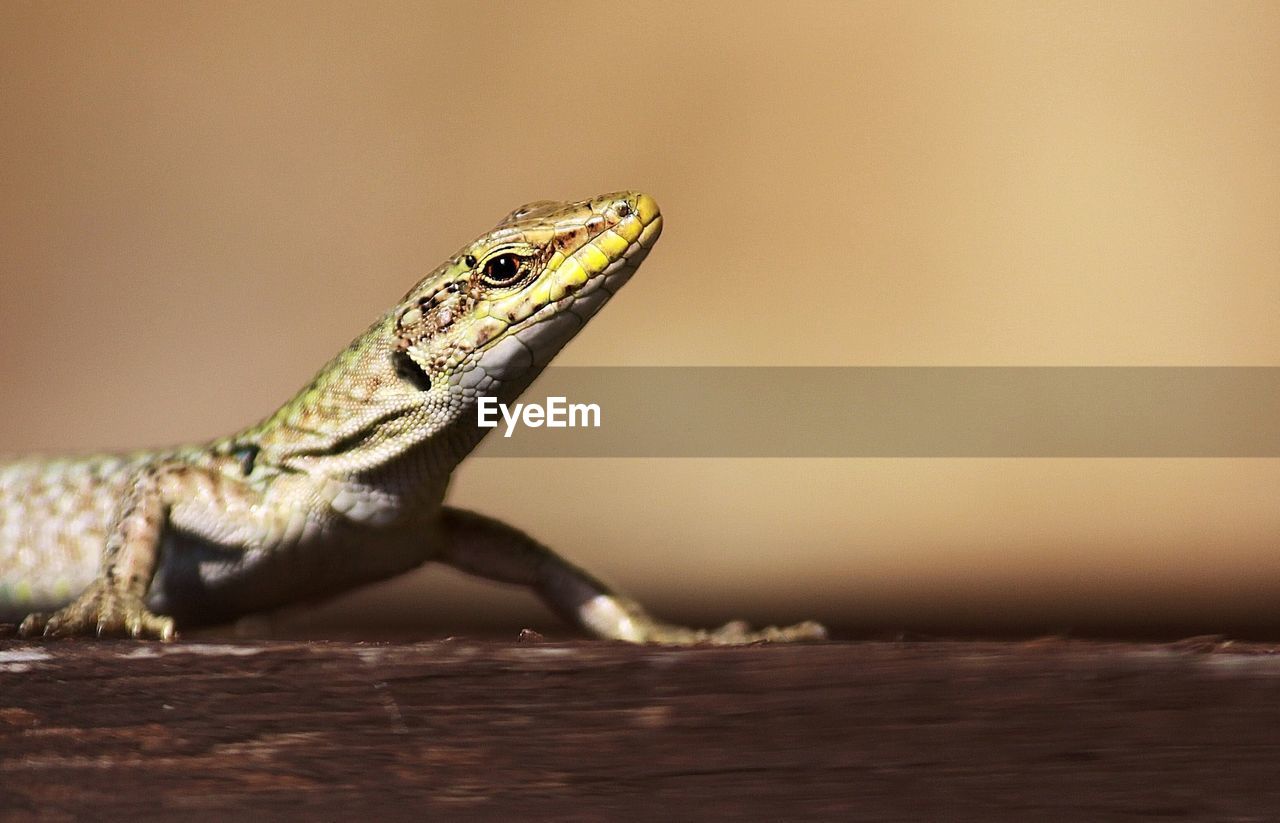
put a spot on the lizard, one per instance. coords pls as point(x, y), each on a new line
point(344, 484)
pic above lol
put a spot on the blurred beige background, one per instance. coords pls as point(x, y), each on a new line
point(201, 202)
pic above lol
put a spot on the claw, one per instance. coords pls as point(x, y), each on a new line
point(34, 625)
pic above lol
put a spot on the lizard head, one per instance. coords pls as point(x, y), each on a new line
point(499, 310)
point(482, 324)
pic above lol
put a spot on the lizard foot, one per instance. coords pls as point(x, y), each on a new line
point(100, 612)
point(738, 632)
point(735, 633)
point(619, 618)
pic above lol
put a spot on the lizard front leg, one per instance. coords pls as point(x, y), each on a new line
point(114, 604)
point(488, 548)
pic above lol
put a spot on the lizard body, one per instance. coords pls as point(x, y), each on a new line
point(345, 483)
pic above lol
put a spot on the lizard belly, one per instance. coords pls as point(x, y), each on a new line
point(201, 582)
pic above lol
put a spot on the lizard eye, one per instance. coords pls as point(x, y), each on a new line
point(503, 270)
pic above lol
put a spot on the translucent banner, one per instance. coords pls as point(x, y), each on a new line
point(891, 412)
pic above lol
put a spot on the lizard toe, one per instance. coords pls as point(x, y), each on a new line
point(34, 625)
point(143, 625)
point(808, 630)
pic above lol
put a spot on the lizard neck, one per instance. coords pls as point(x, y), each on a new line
point(358, 416)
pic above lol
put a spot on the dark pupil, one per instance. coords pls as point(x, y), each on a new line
point(502, 269)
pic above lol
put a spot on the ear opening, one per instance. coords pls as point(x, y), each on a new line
point(408, 370)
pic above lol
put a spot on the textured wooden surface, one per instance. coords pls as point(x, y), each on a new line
point(1052, 730)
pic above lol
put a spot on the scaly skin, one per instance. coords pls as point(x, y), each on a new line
point(344, 484)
